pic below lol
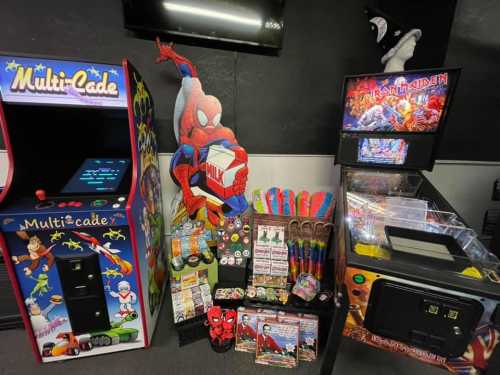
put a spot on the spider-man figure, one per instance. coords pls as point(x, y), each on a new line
point(214, 322)
point(209, 165)
point(221, 325)
point(228, 324)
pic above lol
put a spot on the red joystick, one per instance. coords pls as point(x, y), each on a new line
point(41, 195)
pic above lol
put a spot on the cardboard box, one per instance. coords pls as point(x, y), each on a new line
point(222, 166)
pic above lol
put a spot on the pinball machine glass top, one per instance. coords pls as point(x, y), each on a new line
point(369, 181)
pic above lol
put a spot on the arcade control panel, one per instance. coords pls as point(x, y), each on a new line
point(98, 184)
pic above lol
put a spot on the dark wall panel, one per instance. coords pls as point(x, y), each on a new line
point(283, 104)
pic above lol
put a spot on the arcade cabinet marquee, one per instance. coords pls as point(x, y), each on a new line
point(81, 224)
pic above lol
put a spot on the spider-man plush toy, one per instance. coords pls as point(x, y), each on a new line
point(221, 325)
point(209, 165)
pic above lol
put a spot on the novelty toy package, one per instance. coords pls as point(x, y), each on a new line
point(308, 333)
point(277, 343)
point(246, 328)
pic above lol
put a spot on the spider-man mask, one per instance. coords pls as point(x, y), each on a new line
point(229, 320)
point(214, 316)
point(208, 113)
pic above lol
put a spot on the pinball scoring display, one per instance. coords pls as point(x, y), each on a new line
point(97, 176)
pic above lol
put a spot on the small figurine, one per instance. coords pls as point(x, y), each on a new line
point(221, 325)
point(396, 41)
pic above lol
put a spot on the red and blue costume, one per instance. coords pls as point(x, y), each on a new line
point(197, 127)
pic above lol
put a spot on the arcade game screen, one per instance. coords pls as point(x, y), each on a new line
point(382, 151)
point(97, 176)
point(402, 102)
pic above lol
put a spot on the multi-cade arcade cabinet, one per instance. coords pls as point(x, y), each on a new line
point(412, 278)
point(81, 222)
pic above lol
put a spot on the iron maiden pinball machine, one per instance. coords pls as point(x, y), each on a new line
point(411, 276)
point(81, 224)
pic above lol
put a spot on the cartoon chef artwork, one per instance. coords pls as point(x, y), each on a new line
point(126, 298)
point(40, 320)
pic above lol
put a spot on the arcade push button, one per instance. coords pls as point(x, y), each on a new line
point(99, 203)
point(70, 204)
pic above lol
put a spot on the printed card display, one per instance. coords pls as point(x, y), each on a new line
point(270, 262)
point(308, 333)
point(246, 327)
point(191, 302)
point(277, 343)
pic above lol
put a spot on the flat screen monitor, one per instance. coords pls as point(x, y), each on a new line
point(253, 22)
point(391, 151)
point(99, 176)
point(410, 102)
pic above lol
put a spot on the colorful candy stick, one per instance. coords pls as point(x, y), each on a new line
point(288, 199)
point(311, 263)
point(317, 200)
point(274, 201)
point(302, 260)
point(292, 260)
point(303, 202)
point(259, 201)
point(325, 212)
point(321, 205)
point(320, 265)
